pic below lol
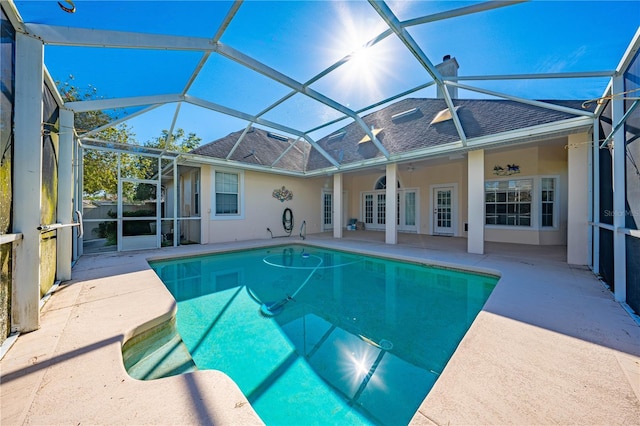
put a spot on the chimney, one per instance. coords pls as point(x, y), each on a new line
point(448, 68)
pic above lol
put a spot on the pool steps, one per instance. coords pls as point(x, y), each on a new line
point(156, 353)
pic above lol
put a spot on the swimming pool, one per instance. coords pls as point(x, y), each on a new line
point(316, 336)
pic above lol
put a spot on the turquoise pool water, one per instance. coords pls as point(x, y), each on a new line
point(362, 341)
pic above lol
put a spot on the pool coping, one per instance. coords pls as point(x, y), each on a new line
point(53, 376)
point(372, 253)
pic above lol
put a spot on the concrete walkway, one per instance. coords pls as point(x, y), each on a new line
point(550, 346)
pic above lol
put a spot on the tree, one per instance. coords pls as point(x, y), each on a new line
point(179, 142)
point(148, 166)
point(100, 167)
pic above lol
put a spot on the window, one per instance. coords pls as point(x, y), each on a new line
point(547, 198)
point(227, 193)
point(382, 183)
point(410, 208)
point(508, 202)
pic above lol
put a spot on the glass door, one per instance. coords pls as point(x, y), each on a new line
point(407, 210)
point(327, 210)
point(138, 214)
point(443, 211)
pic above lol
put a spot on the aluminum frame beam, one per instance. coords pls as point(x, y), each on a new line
point(235, 145)
point(118, 121)
point(247, 61)
point(246, 117)
point(467, 10)
point(86, 37)
point(534, 76)
point(101, 104)
point(620, 123)
point(526, 101)
point(392, 21)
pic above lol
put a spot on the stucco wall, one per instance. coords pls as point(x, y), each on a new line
point(261, 210)
point(421, 178)
point(546, 159)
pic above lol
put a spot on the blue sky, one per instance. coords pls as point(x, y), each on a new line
point(301, 38)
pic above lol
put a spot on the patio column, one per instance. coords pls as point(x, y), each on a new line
point(619, 194)
point(337, 205)
point(205, 191)
point(27, 181)
point(475, 197)
point(578, 201)
point(65, 196)
point(391, 223)
point(594, 185)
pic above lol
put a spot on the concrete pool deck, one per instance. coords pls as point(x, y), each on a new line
point(550, 346)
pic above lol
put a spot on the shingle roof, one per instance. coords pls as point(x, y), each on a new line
point(479, 117)
point(258, 147)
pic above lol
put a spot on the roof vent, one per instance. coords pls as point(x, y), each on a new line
point(406, 113)
point(278, 137)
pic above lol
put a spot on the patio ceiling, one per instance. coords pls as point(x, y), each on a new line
point(305, 69)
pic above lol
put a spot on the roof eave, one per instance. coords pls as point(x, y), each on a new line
point(213, 161)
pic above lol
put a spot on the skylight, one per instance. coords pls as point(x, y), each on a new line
point(406, 113)
point(277, 136)
point(337, 135)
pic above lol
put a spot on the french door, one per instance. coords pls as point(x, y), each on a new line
point(443, 210)
point(374, 209)
point(327, 209)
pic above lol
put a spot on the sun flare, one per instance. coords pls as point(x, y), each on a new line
point(362, 77)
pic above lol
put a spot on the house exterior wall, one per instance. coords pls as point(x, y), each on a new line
point(542, 160)
point(426, 178)
point(421, 178)
point(546, 159)
point(261, 210)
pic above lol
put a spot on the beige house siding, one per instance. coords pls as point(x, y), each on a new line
point(546, 159)
point(261, 210)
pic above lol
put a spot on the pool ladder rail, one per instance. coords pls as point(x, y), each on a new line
point(303, 230)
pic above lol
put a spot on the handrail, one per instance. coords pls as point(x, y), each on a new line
point(303, 226)
point(80, 221)
point(9, 238)
point(54, 226)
